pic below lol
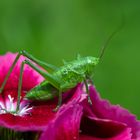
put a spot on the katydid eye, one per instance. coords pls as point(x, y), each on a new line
point(65, 72)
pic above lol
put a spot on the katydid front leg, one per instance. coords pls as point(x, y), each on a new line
point(87, 91)
point(46, 66)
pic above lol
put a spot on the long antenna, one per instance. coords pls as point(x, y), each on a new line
point(110, 37)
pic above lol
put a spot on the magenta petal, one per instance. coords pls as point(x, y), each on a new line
point(103, 109)
point(66, 125)
point(104, 129)
point(125, 135)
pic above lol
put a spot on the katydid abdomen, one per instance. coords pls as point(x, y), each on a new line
point(43, 91)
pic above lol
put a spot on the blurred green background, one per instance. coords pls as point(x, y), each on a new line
point(60, 29)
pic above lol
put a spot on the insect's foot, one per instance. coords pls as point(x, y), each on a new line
point(89, 101)
point(56, 109)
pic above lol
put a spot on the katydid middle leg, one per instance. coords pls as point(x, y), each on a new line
point(59, 101)
point(87, 91)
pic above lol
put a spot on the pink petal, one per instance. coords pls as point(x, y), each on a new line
point(103, 109)
point(66, 125)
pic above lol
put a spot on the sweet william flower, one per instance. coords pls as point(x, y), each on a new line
point(77, 120)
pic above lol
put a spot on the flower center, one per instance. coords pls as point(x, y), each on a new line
point(9, 106)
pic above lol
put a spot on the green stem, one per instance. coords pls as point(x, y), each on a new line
point(9, 134)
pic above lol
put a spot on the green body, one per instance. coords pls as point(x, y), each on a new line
point(68, 76)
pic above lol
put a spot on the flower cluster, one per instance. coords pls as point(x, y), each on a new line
point(75, 120)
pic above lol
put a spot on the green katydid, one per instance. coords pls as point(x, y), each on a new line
point(57, 79)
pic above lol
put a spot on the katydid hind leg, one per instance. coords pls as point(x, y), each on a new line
point(48, 67)
point(42, 73)
point(52, 80)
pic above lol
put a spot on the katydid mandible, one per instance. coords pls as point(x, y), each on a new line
point(57, 79)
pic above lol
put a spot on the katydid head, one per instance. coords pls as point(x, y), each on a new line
point(91, 62)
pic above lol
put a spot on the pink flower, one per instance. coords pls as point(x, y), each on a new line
point(77, 120)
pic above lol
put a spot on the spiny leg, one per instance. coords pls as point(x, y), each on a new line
point(48, 67)
point(87, 91)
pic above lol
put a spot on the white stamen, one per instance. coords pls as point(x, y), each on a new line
point(25, 110)
point(10, 106)
point(1, 108)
